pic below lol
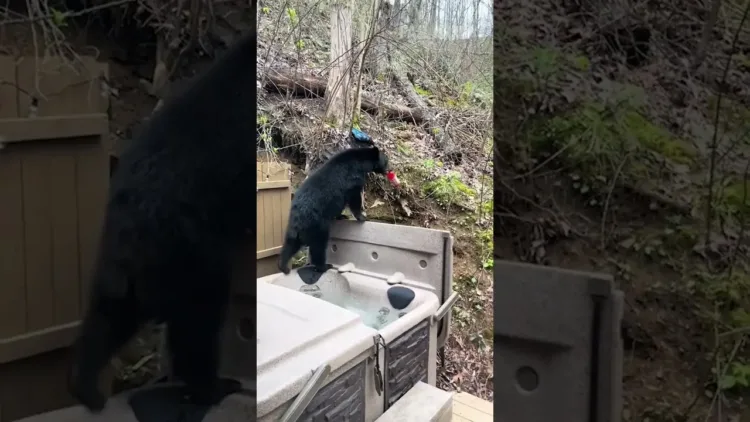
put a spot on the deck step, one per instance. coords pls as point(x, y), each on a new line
point(468, 408)
point(422, 403)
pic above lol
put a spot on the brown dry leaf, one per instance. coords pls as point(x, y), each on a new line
point(405, 207)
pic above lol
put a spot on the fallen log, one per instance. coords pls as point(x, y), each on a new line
point(301, 85)
point(442, 138)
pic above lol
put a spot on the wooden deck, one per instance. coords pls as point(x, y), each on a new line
point(468, 408)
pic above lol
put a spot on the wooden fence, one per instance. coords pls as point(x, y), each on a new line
point(53, 185)
point(274, 198)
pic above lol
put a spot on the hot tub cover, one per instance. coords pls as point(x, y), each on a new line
point(296, 335)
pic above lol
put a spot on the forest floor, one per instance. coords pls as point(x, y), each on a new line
point(622, 133)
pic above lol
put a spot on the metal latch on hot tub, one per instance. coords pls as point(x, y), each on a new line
point(443, 310)
point(378, 374)
point(305, 396)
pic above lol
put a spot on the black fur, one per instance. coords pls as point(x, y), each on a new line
point(178, 206)
point(321, 199)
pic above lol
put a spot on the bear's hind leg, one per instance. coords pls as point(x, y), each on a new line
point(102, 335)
point(318, 245)
point(194, 342)
point(291, 246)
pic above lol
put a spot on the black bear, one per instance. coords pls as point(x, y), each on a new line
point(321, 198)
point(178, 208)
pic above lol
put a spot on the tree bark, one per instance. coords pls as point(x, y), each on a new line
point(338, 92)
point(373, 63)
point(708, 27)
point(396, 17)
point(414, 9)
point(367, 33)
point(433, 16)
point(442, 139)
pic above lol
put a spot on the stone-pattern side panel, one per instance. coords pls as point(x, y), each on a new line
point(341, 400)
point(406, 360)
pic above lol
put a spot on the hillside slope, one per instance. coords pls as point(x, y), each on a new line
point(622, 130)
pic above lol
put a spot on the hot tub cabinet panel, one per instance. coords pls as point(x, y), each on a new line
point(307, 334)
point(407, 362)
point(342, 399)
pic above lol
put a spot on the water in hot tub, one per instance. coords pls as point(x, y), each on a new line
point(337, 290)
point(372, 316)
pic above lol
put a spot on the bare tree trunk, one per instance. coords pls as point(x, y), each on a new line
point(477, 4)
point(396, 17)
point(460, 19)
point(414, 7)
point(338, 101)
point(433, 16)
point(708, 27)
point(448, 20)
point(368, 24)
point(373, 63)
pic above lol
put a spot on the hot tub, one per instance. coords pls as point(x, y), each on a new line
point(355, 324)
point(347, 344)
point(399, 279)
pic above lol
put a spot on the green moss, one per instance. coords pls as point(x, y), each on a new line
point(486, 237)
point(580, 62)
point(486, 248)
point(487, 207)
point(599, 136)
point(448, 189)
point(413, 174)
point(292, 14)
point(736, 377)
point(404, 149)
point(421, 91)
point(466, 90)
point(430, 164)
point(658, 139)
